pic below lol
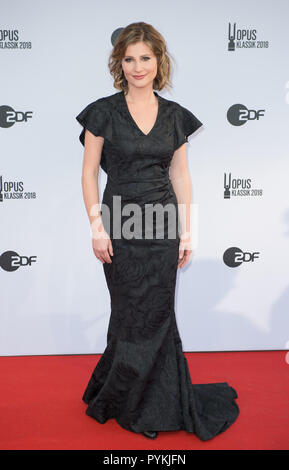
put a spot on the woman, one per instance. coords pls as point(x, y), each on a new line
point(139, 139)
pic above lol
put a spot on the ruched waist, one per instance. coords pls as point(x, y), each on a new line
point(124, 182)
point(140, 190)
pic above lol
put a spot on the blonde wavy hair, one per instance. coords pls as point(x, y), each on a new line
point(131, 34)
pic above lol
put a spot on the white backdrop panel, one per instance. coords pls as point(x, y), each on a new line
point(60, 303)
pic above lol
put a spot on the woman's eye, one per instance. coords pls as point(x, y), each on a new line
point(129, 59)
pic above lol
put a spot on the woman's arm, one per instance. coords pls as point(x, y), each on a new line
point(90, 189)
point(181, 183)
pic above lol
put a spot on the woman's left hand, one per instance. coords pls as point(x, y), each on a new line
point(185, 250)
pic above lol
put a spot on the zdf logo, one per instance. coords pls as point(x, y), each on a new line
point(234, 256)
point(238, 114)
point(11, 261)
point(8, 116)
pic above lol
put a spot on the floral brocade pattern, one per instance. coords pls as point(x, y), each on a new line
point(142, 378)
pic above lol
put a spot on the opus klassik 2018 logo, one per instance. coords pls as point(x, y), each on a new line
point(10, 40)
point(244, 37)
point(235, 186)
point(13, 190)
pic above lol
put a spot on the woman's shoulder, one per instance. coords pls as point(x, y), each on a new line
point(175, 105)
point(181, 111)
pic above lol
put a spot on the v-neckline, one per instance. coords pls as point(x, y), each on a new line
point(132, 119)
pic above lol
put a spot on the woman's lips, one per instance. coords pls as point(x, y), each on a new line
point(138, 77)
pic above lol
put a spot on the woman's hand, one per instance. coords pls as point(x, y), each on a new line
point(185, 250)
point(101, 243)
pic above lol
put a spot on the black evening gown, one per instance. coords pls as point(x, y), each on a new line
point(142, 378)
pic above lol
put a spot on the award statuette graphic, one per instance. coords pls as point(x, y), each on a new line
point(227, 193)
point(231, 44)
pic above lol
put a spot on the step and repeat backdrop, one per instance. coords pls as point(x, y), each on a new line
point(231, 70)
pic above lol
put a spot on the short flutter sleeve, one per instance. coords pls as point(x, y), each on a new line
point(97, 119)
point(186, 123)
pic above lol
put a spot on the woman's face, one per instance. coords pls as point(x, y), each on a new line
point(139, 60)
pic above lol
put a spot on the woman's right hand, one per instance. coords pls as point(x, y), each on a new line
point(101, 243)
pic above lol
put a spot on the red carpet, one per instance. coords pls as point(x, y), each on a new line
point(41, 406)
